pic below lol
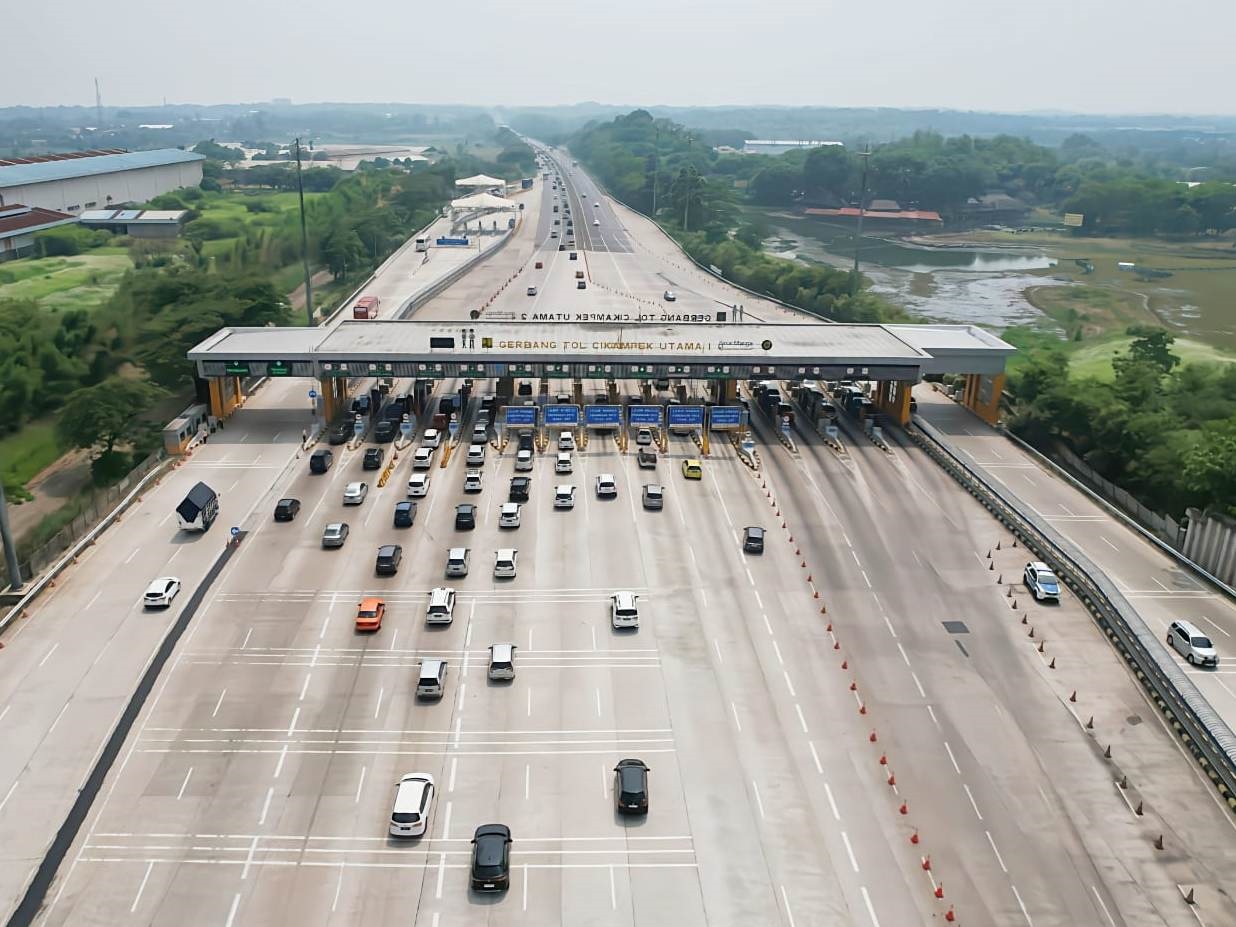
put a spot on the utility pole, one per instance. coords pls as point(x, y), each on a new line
point(10, 550)
point(856, 278)
point(98, 106)
point(304, 238)
point(656, 168)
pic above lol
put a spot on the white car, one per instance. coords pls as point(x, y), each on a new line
point(441, 609)
point(476, 454)
point(643, 437)
point(623, 610)
point(563, 463)
point(354, 493)
point(566, 441)
point(669, 296)
point(564, 497)
point(596, 221)
point(418, 484)
point(160, 592)
point(606, 487)
point(472, 481)
point(532, 291)
point(523, 460)
point(423, 458)
point(597, 204)
point(431, 438)
point(508, 516)
point(504, 562)
point(413, 801)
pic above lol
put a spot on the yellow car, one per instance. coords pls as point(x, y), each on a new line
point(692, 469)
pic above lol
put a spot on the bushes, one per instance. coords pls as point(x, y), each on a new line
point(210, 228)
point(68, 240)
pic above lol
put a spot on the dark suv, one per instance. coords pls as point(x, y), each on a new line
point(465, 516)
point(384, 433)
point(520, 487)
point(373, 459)
point(491, 858)
point(405, 514)
point(753, 540)
point(631, 787)
point(286, 509)
point(525, 441)
point(389, 556)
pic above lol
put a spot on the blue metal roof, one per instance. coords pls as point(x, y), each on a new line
point(17, 175)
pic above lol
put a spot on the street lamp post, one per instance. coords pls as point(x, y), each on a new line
point(304, 238)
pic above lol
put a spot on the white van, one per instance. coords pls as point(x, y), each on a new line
point(432, 679)
point(441, 608)
point(457, 561)
point(501, 661)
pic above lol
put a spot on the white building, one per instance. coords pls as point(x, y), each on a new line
point(70, 183)
point(776, 146)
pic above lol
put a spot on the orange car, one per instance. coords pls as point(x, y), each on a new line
point(369, 614)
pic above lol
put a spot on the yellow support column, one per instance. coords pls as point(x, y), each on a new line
point(729, 391)
point(330, 405)
point(899, 407)
point(983, 396)
point(215, 385)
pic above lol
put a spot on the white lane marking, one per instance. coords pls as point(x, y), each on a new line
point(1108, 543)
point(218, 703)
point(1111, 920)
point(758, 600)
point(866, 579)
point(245, 642)
point(918, 685)
point(57, 721)
point(325, 623)
point(166, 517)
point(244, 873)
point(777, 651)
point(305, 688)
point(737, 723)
point(594, 638)
point(1066, 509)
point(231, 915)
point(283, 755)
point(801, 720)
point(858, 563)
point(450, 785)
point(999, 858)
point(904, 657)
point(815, 756)
point(1021, 904)
point(931, 712)
point(270, 793)
point(394, 637)
point(9, 794)
point(530, 701)
point(7, 708)
point(1155, 580)
point(598, 693)
point(767, 625)
point(441, 874)
point(715, 645)
point(875, 921)
point(47, 656)
point(234, 485)
point(973, 803)
point(179, 795)
point(132, 555)
point(785, 900)
point(758, 801)
point(94, 599)
point(916, 557)
point(1203, 617)
point(378, 707)
point(789, 685)
point(952, 759)
point(446, 821)
point(1028, 480)
point(832, 802)
point(888, 624)
point(360, 784)
point(334, 905)
point(141, 888)
point(295, 718)
point(613, 890)
point(527, 779)
point(604, 781)
point(845, 838)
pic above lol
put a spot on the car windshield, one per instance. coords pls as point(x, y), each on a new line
point(1048, 579)
point(367, 613)
point(1201, 643)
point(405, 817)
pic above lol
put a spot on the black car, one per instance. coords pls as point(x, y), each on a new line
point(286, 509)
point(341, 434)
point(384, 433)
point(360, 405)
point(389, 556)
point(321, 460)
point(753, 540)
point(491, 858)
point(465, 516)
point(525, 441)
point(373, 459)
point(520, 487)
point(405, 514)
point(631, 787)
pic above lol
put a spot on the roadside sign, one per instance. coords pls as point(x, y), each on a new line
point(602, 415)
point(748, 446)
point(405, 427)
point(830, 431)
point(236, 368)
point(640, 414)
point(725, 416)
point(313, 394)
point(686, 415)
point(520, 415)
point(562, 415)
point(235, 532)
point(278, 369)
point(453, 428)
point(358, 426)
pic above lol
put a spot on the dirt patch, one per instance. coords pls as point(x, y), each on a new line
point(51, 488)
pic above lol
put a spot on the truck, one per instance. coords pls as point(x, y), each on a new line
point(459, 241)
point(525, 183)
point(366, 307)
point(422, 243)
point(199, 508)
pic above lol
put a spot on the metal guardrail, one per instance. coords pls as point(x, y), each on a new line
point(454, 276)
point(1207, 736)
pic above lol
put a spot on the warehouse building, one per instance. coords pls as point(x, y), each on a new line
point(76, 182)
point(137, 223)
point(18, 224)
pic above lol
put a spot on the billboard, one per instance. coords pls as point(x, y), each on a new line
point(686, 415)
point(520, 415)
point(725, 417)
point(644, 415)
point(602, 415)
point(562, 415)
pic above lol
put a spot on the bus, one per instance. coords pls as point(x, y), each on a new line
point(366, 307)
point(422, 244)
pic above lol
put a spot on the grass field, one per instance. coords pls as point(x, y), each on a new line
point(28, 451)
point(84, 281)
point(1094, 359)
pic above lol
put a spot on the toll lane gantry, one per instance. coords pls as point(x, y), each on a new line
point(894, 357)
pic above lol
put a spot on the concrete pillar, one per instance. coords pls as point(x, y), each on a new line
point(982, 396)
point(681, 392)
point(505, 388)
point(729, 392)
point(330, 402)
point(645, 390)
point(543, 388)
point(899, 404)
point(577, 389)
point(611, 389)
point(224, 395)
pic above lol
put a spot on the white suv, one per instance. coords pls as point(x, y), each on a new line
point(523, 461)
point(623, 611)
point(564, 497)
point(431, 438)
point(423, 458)
point(418, 484)
point(563, 463)
point(566, 441)
point(476, 454)
point(413, 800)
point(504, 562)
point(606, 487)
point(508, 515)
point(441, 608)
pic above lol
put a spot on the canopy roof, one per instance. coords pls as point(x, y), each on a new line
point(481, 180)
point(482, 201)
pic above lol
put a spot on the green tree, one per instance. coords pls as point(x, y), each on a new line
point(829, 168)
point(98, 418)
point(342, 249)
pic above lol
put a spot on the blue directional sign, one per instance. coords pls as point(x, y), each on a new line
point(725, 417)
point(602, 415)
point(235, 532)
point(686, 415)
point(313, 394)
point(520, 415)
point(562, 415)
point(644, 415)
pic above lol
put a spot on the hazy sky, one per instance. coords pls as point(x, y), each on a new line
point(1078, 55)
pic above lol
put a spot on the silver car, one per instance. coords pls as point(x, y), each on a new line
point(355, 493)
point(335, 534)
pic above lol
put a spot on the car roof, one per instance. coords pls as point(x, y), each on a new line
point(631, 761)
point(692, 462)
point(163, 581)
point(287, 500)
point(355, 484)
point(506, 553)
point(457, 551)
point(563, 489)
point(508, 506)
point(369, 602)
point(502, 650)
point(754, 529)
point(336, 526)
point(494, 830)
point(387, 550)
point(405, 504)
point(472, 472)
point(606, 476)
point(624, 597)
point(465, 507)
point(440, 592)
point(411, 788)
